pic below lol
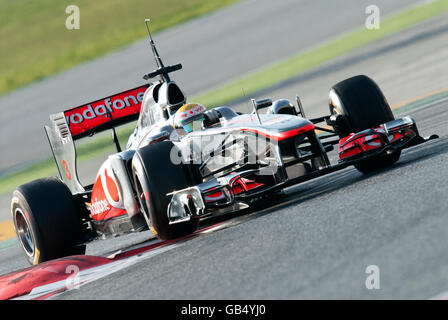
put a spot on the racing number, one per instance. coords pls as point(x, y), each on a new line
point(67, 172)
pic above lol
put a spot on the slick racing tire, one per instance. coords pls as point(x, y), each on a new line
point(363, 105)
point(47, 222)
point(155, 175)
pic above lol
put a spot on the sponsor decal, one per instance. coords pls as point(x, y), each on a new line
point(99, 206)
point(67, 171)
point(106, 196)
point(91, 115)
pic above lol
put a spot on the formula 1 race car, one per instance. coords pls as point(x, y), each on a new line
point(183, 162)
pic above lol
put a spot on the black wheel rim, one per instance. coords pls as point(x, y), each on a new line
point(142, 198)
point(24, 232)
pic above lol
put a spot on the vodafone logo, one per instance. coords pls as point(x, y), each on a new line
point(98, 207)
point(88, 116)
point(106, 195)
point(108, 106)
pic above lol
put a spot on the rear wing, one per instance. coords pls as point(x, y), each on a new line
point(85, 120)
point(105, 113)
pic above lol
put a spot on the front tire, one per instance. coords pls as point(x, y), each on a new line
point(47, 222)
point(155, 175)
point(363, 105)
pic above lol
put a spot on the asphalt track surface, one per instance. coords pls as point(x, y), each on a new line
point(317, 240)
point(213, 49)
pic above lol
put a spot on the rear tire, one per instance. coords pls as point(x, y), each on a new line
point(363, 106)
point(155, 175)
point(46, 219)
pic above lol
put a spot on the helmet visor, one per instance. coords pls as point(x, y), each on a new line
point(193, 124)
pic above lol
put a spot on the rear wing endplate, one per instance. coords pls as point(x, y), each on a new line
point(85, 120)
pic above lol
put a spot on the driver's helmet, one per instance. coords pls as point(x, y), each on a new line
point(188, 116)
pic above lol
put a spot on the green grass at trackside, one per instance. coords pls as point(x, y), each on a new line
point(35, 42)
point(259, 80)
point(307, 60)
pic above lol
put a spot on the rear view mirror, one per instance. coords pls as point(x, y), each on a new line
point(263, 103)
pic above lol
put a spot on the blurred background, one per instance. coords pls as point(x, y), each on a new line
point(231, 51)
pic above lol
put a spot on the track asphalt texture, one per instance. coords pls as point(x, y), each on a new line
point(315, 241)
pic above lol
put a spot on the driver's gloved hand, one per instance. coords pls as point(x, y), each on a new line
point(211, 117)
